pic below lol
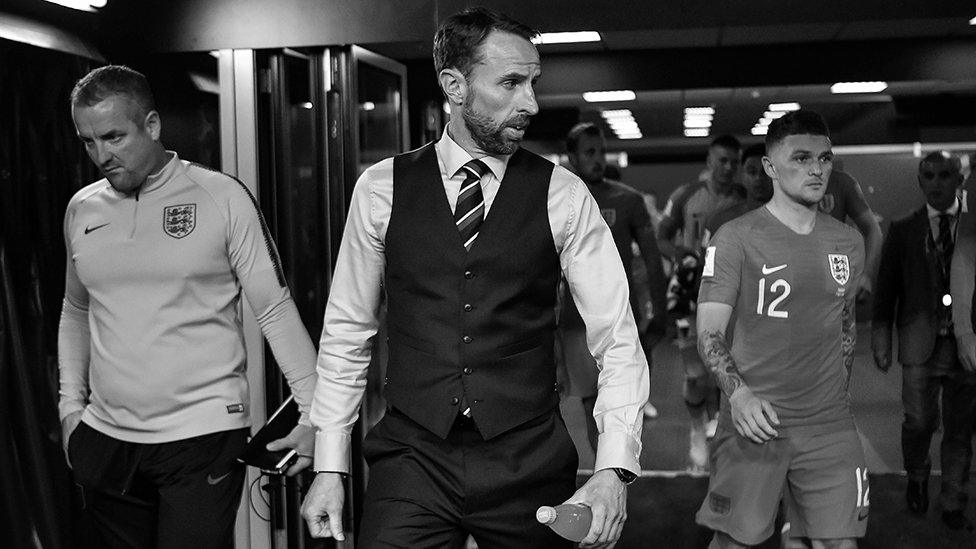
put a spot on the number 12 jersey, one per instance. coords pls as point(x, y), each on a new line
point(788, 291)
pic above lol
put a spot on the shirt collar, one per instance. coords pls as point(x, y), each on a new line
point(155, 180)
point(952, 210)
point(454, 157)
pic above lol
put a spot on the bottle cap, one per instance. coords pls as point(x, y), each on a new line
point(545, 515)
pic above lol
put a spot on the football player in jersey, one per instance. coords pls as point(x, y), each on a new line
point(788, 275)
point(679, 238)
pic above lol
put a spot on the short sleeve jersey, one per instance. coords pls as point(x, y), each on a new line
point(690, 205)
point(625, 212)
point(843, 197)
point(788, 292)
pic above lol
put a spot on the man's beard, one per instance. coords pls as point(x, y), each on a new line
point(486, 134)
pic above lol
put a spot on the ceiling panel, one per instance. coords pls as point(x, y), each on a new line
point(779, 34)
point(905, 28)
point(661, 38)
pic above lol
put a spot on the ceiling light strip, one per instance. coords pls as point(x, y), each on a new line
point(859, 87)
point(611, 95)
point(572, 37)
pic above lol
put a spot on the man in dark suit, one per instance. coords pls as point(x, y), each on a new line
point(467, 237)
point(912, 292)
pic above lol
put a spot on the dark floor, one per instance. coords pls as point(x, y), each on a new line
point(662, 505)
point(661, 514)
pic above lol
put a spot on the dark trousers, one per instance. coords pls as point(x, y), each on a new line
point(921, 384)
point(425, 491)
point(171, 495)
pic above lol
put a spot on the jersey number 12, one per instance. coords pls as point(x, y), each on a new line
point(780, 287)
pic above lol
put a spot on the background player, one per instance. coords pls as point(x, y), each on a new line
point(679, 238)
point(758, 186)
point(624, 210)
point(789, 274)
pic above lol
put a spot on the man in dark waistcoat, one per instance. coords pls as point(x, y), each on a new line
point(468, 237)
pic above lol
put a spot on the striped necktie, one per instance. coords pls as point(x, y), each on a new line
point(469, 213)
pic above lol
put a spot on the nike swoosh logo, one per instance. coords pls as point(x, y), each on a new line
point(771, 270)
point(95, 228)
point(211, 480)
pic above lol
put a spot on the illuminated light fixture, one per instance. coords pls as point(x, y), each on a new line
point(859, 87)
point(785, 107)
point(706, 117)
point(616, 113)
point(368, 105)
point(699, 110)
point(215, 54)
point(972, 21)
point(622, 123)
point(696, 132)
point(693, 123)
point(615, 95)
point(307, 105)
point(764, 121)
point(566, 37)
point(773, 115)
point(83, 5)
point(759, 130)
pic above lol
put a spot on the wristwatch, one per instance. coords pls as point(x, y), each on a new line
point(624, 475)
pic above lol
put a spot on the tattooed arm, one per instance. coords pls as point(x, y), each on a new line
point(848, 336)
point(753, 417)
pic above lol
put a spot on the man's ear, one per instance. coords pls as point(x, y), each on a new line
point(768, 167)
point(454, 85)
point(153, 125)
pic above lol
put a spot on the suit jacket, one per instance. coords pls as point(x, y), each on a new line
point(909, 290)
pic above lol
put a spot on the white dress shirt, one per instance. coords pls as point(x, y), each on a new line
point(587, 257)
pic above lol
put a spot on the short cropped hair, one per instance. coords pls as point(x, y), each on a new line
point(942, 157)
point(726, 141)
point(110, 80)
point(759, 149)
point(801, 122)
point(460, 35)
point(583, 128)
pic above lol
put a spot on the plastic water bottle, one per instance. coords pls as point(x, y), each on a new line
point(569, 520)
